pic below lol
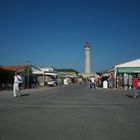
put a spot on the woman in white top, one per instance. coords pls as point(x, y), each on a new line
point(17, 80)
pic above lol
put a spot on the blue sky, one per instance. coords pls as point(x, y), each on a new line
point(54, 32)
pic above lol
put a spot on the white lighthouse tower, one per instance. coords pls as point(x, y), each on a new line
point(87, 59)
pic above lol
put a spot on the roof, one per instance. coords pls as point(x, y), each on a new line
point(87, 45)
point(15, 67)
point(46, 69)
point(105, 71)
point(133, 63)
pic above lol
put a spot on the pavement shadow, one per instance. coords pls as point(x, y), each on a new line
point(26, 94)
point(129, 96)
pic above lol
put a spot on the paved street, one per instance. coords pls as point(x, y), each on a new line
point(69, 113)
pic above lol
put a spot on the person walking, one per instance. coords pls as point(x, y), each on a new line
point(135, 86)
point(17, 81)
point(110, 80)
point(92, 82)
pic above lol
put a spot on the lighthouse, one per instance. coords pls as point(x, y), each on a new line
point(87, 59)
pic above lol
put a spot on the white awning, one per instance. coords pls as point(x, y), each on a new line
point(48, 73)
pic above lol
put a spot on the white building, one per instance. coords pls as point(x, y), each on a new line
point(46, 75)
point(46, 69)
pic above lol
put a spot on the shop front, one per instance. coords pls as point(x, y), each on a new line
point(124, 73)
point(123, 76)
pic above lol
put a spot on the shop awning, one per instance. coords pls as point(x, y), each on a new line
point(128, 70)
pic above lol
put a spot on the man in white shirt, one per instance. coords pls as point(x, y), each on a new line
point(92, 82)
point(17, 80)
